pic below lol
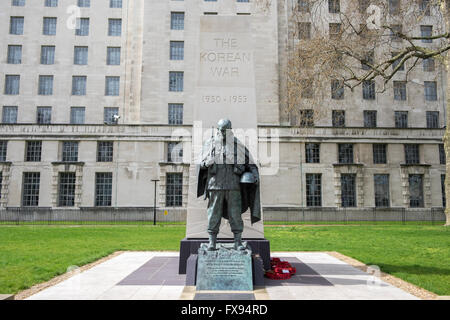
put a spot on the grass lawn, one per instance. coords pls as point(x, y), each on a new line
point(34, 254)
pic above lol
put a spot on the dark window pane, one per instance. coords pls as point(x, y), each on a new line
point(416, 191)
point(174, 189)
point(345, 153)
point(348, 190)
point(381, 190)
point(312, 152)
point(314, 190)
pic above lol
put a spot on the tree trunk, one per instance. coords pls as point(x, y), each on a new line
point(446, 15)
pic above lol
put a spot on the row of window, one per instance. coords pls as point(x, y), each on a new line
point(174, 189)
point(394, 6)
point(45, 85)
point(305, 118)
point(69, 152)
point(368, 90)
point(78, 115)
point(346, 154)
point(381, 190)
point(80, 3)
point(16, 26)
point(335, 31)
point(47, 56)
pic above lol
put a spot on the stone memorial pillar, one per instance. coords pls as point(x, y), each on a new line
point(225, 89)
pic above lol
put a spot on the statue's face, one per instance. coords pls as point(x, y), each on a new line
point(224, 125)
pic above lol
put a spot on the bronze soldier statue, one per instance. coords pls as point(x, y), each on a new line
point(230, 181)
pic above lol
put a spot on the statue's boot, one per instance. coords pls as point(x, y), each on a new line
point(212, 242)
point(238, 242)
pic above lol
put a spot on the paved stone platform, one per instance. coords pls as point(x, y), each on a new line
point(154, 276)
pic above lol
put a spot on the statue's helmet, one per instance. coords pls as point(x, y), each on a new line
point(224, 124)
point(248, 177)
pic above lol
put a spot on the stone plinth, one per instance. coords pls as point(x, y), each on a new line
point(225, 269)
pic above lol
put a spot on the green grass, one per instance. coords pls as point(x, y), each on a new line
point(34, 254)
point(358, 223)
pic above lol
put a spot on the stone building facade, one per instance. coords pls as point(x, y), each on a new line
point(96, 95)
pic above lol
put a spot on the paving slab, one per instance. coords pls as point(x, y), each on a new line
point(154, 276)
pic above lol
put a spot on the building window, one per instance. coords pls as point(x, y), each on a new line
point(425, 7)
point(84, 3)
point(3, 150)
point(66, 194)
point(430, 90)
point(175, 152)
point(379, 154)
point(115, 27)
point(304, 30)
point(337, 90)
point(47, 55)
point(175, 113)
point(105, 151)
point(112, 86)
point(401, 119)
point(177, 20)
point(70, 151)
point(49, 28)
point(400, 90)
point(79, 85)
point(82, 27)
point(338, 118)
point(51, 3)
point(381, 182)
point(432, 119)
point(111, 115)
point(428, 65)
point(113, 56)
point(397, 62)
point(442, 156)
point(303, 6)
point(174, 189)
point(9, 114)
point(369, 90)
point(370, 119)
point(444, 202)
point(77, 115)
point(16, 25)
point(115, 3)
point(345, 153)
point(426, 31)
point(45, 85)
point(312, 151)
point(394, 7)
point(103, 189)
point(33, 151)
point(396, 30)
point(334, 31)
point(176, 50)
point(306, 118)
point(14, 54)
point(307, 90)
point(313, 190)
point(416, 191)
point(18, 3)
point(1, 183)
point(176, 81)
point(367, 63)
point(12, 84)
point(44, 115)
point(348, 190)
point(30, 189)
point(80, 56)
point(334, 6)
point(412, 154)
